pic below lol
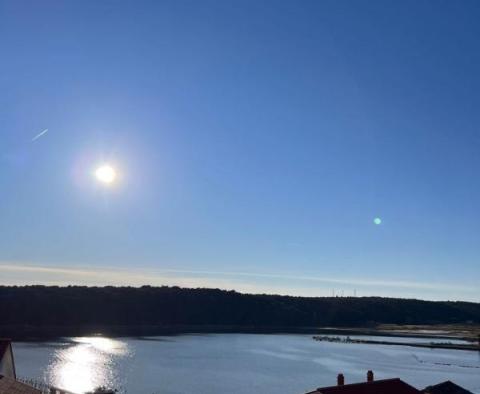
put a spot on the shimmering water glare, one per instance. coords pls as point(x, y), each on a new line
point(88, 362)
point(234, 364)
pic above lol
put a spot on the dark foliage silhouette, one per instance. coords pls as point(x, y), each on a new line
point(31, 309)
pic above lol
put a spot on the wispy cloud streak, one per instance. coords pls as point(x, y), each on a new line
point(340, 281)
point(41, 134)
point(21, 273)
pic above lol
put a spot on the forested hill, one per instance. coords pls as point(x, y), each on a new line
point(39, 306)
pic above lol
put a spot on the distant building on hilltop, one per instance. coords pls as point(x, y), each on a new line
point(387, 386)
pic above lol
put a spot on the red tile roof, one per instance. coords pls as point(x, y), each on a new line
point(446, 388)
point(11, 386)
point(386, 386)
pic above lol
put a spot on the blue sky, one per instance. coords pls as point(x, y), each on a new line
point(255, 142)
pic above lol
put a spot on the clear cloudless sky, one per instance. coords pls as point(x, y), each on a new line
point(256, 142)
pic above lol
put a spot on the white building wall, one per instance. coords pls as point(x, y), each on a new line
point(7, 365)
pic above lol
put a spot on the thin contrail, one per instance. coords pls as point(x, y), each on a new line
point(39, 135)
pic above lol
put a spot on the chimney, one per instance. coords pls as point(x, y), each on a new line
point(340, 379)
point(370, 376)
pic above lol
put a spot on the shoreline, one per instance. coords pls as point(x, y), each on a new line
point(430, 345)
point(30, 333)
point(35, 333)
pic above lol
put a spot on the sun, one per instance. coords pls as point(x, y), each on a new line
point(105, 174)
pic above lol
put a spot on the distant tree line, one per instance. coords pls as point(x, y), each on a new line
point(31, 309)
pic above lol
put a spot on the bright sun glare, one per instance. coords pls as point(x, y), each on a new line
point(105, 174)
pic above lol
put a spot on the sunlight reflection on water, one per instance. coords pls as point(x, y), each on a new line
point(86, 364)
point(234, 363)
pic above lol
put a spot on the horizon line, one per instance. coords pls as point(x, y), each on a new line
point(123, 276)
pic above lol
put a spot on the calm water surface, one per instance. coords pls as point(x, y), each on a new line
point(233, 363)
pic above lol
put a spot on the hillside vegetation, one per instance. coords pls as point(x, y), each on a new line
point(41, 306)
